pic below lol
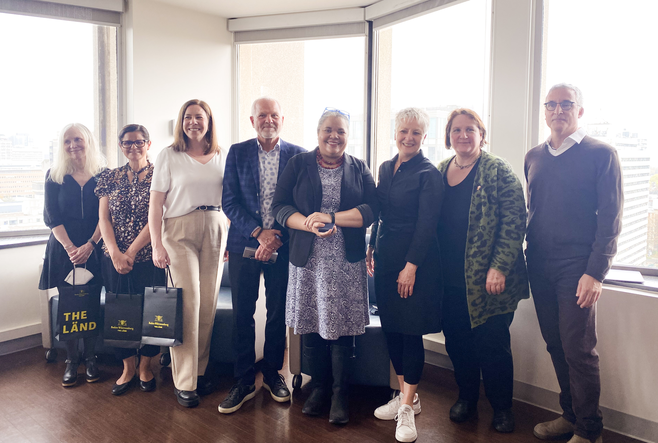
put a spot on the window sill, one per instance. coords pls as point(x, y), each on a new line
point(19, 242)
point(650, 284)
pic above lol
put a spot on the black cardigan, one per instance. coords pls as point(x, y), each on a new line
point(299, 189)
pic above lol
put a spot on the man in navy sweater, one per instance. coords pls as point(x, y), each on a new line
point(252, 170)
point(575, 202)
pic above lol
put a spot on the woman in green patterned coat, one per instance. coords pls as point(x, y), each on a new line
point(481, 231)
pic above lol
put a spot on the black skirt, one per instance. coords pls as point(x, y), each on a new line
point(420, 313)
point(57, 264)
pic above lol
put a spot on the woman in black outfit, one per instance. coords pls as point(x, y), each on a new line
point(124, 195)
point(71, 212)
point(406, 262)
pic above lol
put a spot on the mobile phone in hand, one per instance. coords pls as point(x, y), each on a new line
point(326, 227)
point(251, 253)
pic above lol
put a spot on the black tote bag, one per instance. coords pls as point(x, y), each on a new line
point(123, 316)
point(78, 311)
point(163, 314)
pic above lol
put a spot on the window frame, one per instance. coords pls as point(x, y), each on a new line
point(306, 33)
point(109, 13)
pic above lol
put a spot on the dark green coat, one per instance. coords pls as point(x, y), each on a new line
point(496, 229)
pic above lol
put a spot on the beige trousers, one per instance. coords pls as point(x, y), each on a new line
point(195, 243)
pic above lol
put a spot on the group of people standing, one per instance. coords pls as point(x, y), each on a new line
point(446, 252)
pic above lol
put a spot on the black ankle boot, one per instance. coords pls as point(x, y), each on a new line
point(318, 363)
point(91, 370)
point(341, 368)
point(70, 374)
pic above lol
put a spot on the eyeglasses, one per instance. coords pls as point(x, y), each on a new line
point(343, 113)
point(129, 144)
point(565, 105)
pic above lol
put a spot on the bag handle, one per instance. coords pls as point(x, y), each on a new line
point(167, 276)
point(74, 266)
point(120, 277)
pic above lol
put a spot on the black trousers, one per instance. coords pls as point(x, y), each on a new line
point(570, 335)
point(245, 282)
point(143, 274)
point(486, 348)
point(407, 355)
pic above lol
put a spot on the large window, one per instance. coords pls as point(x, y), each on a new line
point(54, 72)
point(606, 49)
point(305, 77)
point(438, 62)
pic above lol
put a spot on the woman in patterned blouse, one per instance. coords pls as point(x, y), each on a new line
point(124, 202)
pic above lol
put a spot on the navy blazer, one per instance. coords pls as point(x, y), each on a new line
point(299, 189)
point(241, 193)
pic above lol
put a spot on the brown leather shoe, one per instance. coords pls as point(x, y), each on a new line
point(558, 429)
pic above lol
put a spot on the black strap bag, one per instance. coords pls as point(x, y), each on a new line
point(162, 323)
point(123, 315)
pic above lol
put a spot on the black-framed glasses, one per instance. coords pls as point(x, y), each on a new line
point(129, 144)
point(343, 113)
point(564, 104)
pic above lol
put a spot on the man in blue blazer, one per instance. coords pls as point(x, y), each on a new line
point(252, 170)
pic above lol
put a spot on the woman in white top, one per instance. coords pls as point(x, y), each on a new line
point(188, 233)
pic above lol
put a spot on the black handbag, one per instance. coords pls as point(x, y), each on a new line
point(163, 314)
point(78, 311)
point(123, 316)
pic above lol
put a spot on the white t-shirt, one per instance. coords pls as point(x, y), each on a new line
point(187, 182)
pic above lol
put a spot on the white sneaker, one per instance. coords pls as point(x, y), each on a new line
point(390, 409)
point(406, 427)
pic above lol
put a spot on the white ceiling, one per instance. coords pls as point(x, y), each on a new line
point(250, 8)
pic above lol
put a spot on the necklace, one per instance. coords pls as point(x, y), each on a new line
point(468, 165)
point(136, 173)
point(327, 164)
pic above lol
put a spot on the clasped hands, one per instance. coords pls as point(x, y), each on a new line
point(316, 221)
point(123, 262)
point(270, 241)
point(79, 256)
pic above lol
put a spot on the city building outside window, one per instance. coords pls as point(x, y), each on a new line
point(613, 69)
point(54, 72)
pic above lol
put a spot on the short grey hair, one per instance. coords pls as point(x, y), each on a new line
point(328, 114)
point(265, 97)
point(410, 114)
point(580, 101)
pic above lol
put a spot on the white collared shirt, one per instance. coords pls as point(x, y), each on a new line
point(568, 142)
point(268, 168)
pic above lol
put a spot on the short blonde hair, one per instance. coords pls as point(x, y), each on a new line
point(94, 159)
point(181, 139)
point(410, 114)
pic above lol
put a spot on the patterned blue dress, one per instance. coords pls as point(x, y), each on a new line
point(329, 295)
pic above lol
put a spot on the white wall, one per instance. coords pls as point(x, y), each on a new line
point(19, 297)
point(177, 55)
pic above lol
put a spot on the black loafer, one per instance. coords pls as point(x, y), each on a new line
point(123, 388)
point(205, 385)
point(189, 399)
point(147, 386)
point(463, 410)
point(91, 370)
point(503, 420)
point(70, 374)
